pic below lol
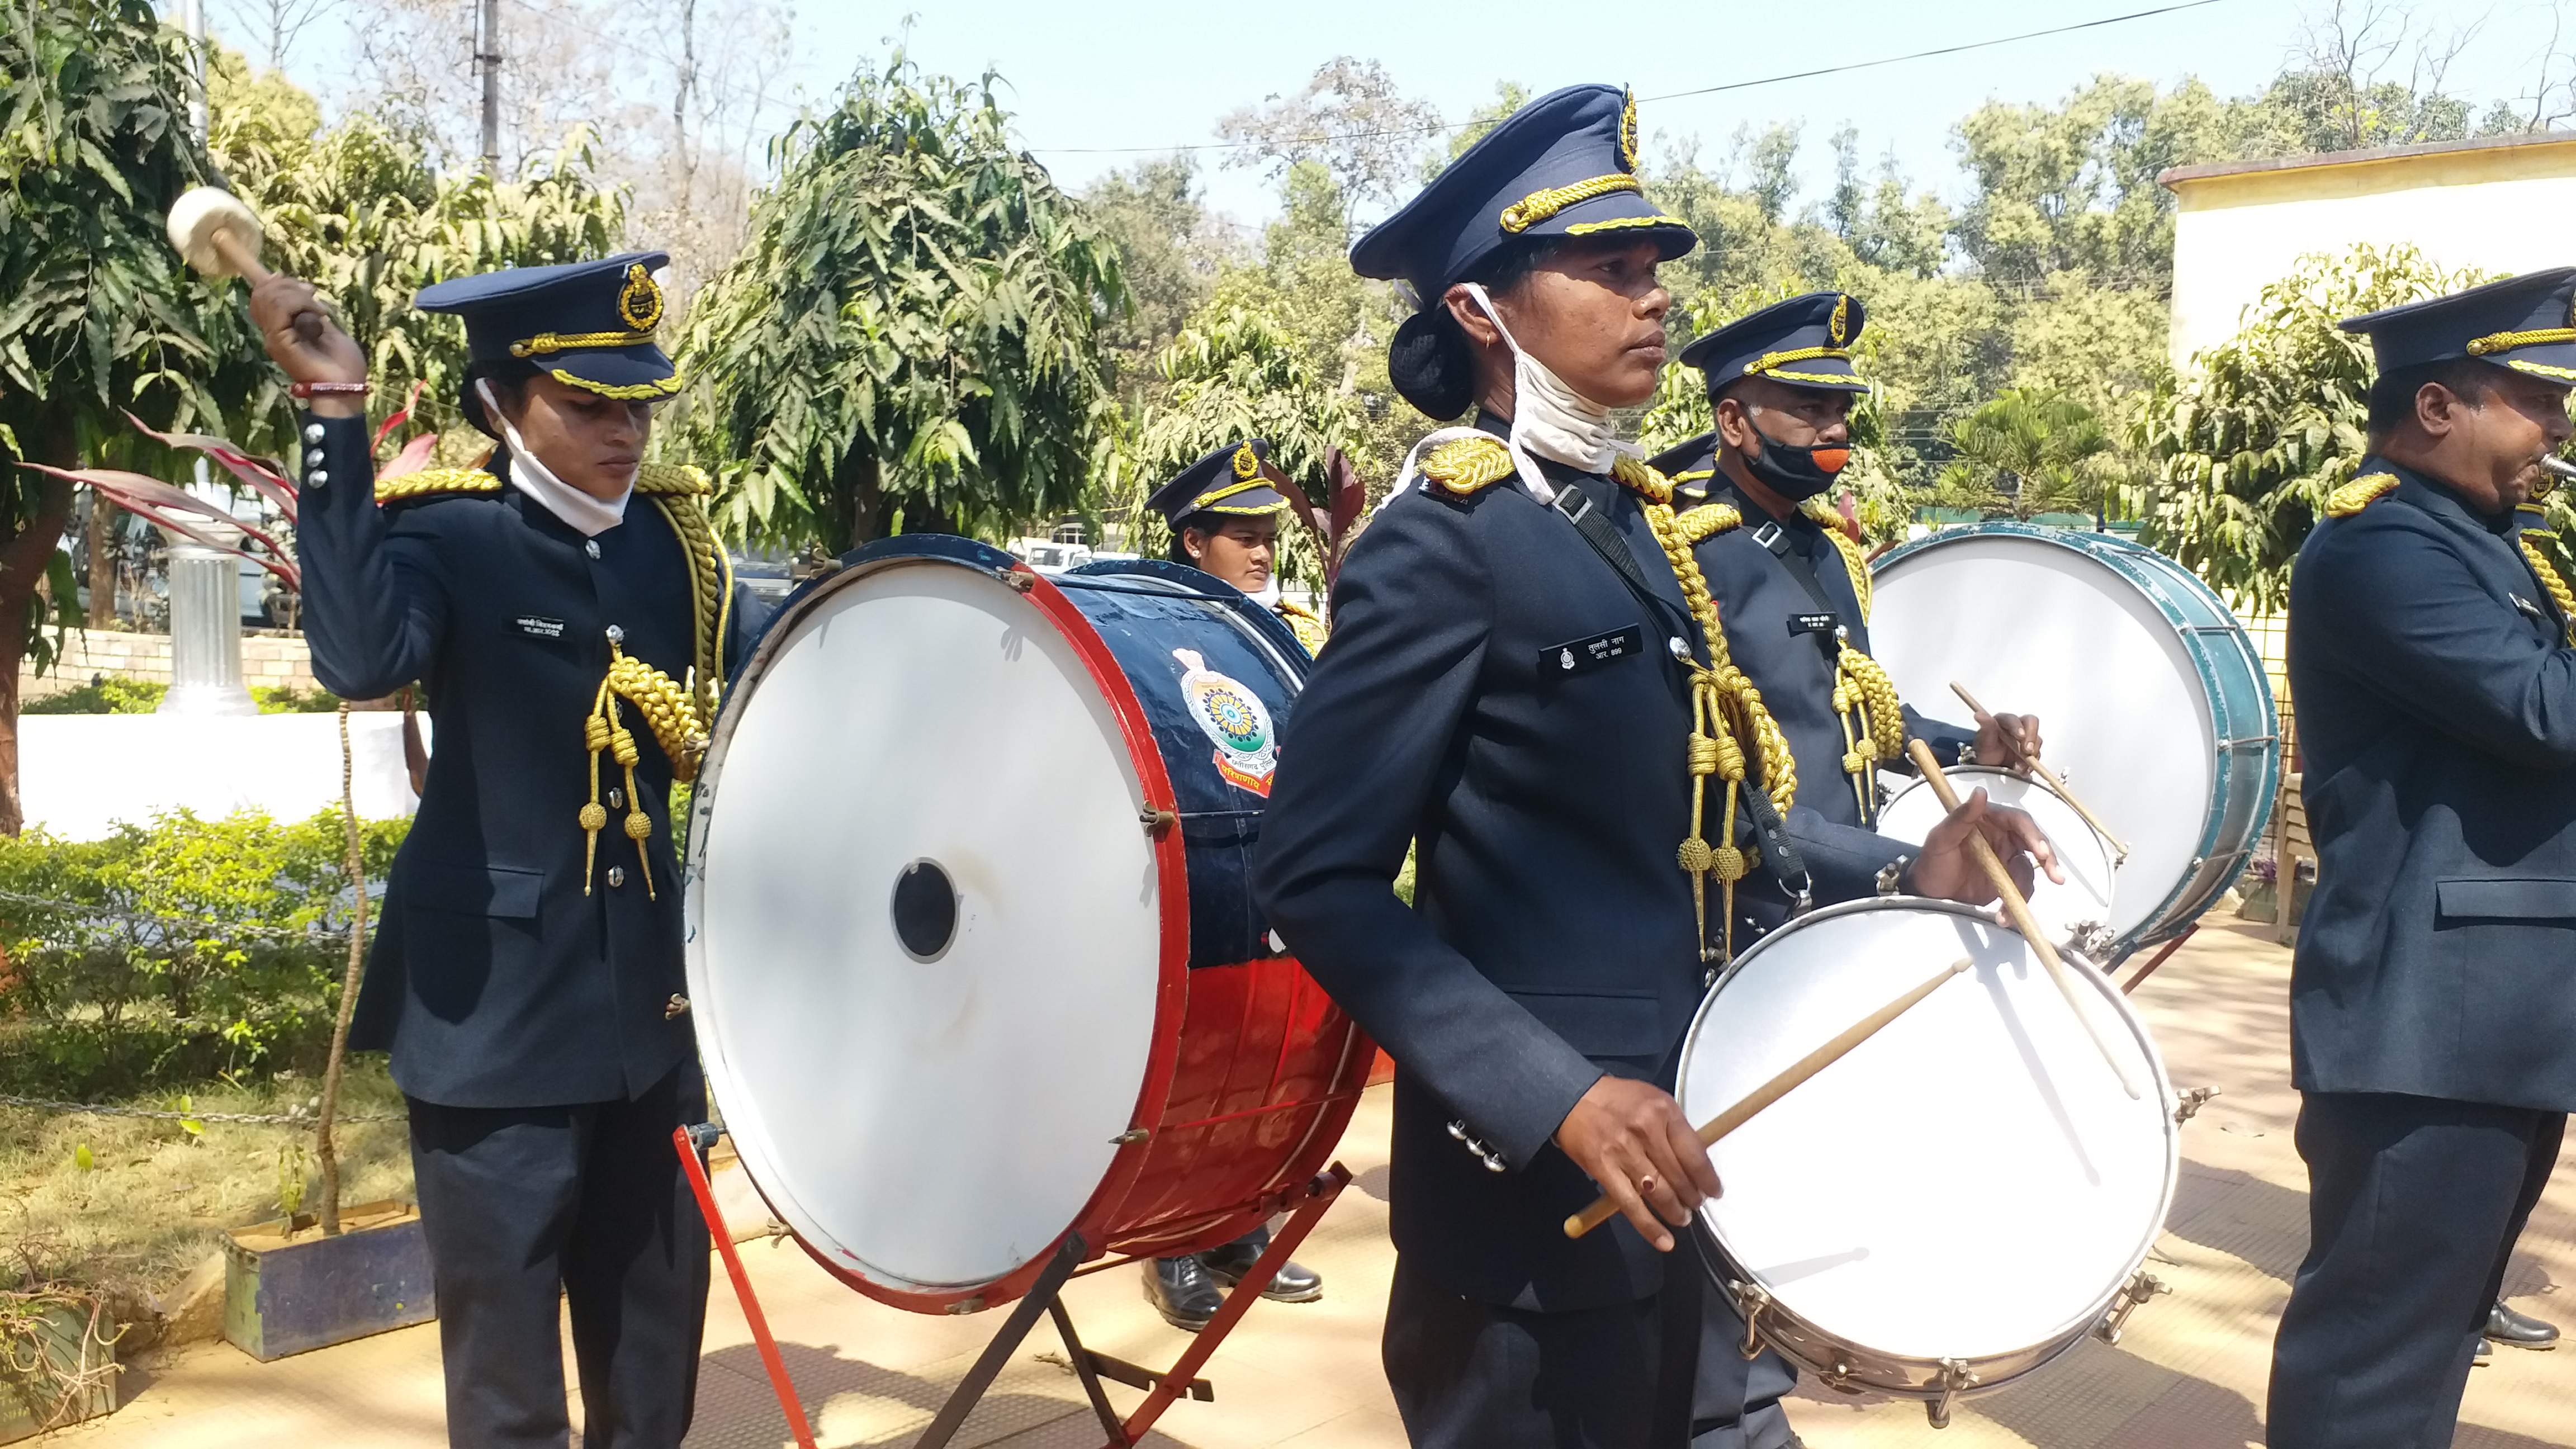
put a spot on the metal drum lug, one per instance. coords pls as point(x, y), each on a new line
point(2138, 1290)
point(1839, 1378)
point(1750, 1300)
point(1955, 1380)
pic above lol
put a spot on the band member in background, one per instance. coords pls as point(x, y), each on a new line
point(1518, 642)
point(1225, 521)
point(2432, 1024)
point(574, 620)
point(1225, 517)
point(1792, 589)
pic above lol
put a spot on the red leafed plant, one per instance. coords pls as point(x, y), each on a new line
point(187, 515)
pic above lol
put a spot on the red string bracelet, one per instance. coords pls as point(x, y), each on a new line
point(327, 389)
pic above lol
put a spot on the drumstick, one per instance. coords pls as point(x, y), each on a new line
point(1780, 1086)
point(2018, 910)
point(2046, 775)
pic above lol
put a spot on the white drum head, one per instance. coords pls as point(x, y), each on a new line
point(2034, 628)
point(1971, 1182)
point(2083, 856)
point(924, 1119)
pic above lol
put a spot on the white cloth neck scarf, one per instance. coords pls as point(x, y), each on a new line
point(1268, 596)
point(1549, 419)
point(587, 515)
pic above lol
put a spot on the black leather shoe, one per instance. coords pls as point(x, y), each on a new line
point(1293, 1283)
point(2520, 1330)
point(2486, 1354)
point(1180, 1291)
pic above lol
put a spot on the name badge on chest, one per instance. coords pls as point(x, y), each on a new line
point(1577, 655)
point(538, 627)
point(1814, 624)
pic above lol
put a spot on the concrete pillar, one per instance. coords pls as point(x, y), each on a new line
point(205, 628)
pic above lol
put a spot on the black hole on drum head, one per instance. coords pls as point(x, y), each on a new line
point(925, 910)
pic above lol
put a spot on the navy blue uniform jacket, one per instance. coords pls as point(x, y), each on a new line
point(494, 981)
point(2437, 712)
point(1758, 603)
point(1551, 939)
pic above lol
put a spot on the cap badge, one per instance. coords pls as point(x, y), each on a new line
point(1840, 325)
point(1628, 132)
point(639, 301)
point(1247, 463)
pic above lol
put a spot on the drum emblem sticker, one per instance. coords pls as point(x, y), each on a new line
point(1233, 717)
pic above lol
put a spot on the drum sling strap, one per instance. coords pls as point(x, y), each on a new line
point(1781, 860)
point(1775, 539)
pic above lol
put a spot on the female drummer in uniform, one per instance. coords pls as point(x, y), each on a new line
point(1520, 653)
point(574, 637)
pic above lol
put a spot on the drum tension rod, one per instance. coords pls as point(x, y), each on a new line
point(1954, 1381)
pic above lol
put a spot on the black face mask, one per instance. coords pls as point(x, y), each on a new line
point(1796, 474)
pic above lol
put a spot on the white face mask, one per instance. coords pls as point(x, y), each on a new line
point(1549, 419)
point(587, 515)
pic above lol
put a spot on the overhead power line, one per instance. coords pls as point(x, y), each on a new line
point(1767, 80)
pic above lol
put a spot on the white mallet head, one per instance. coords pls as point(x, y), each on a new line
point(205, 213)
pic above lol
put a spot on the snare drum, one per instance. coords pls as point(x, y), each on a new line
point(2077, 912)
point(1964, 1195)
point(972, 951)
point(2152, 699)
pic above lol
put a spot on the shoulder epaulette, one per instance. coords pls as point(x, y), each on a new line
point(673, 478)
point(1465, 465)
point(1708, 521)
point(429, 482)
point(2359, 494)
point(1305, 624)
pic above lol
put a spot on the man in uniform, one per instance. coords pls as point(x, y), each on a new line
point(1792, 588)
point(1224, 511)
point(1521, 649)
point(2433, 998)
point(1224, 514)
point(573, 619)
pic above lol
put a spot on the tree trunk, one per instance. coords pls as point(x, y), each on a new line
point(23, 560)
point(862, 494)
point(103, 518)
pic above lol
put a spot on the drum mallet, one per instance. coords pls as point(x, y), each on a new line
point(218, 236)
point(1717, 1127)
point(2017, 910)
point(2046, 775)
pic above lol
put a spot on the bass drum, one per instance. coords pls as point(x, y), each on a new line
point(971, 948)
point(2152, 699)
point(1959, 1199)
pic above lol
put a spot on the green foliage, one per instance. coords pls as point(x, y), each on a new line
point(2277, 418)
point(911, 327)
point(105, 694)
point(97, 314)
point(168, 953)
point(1235, 374)
point(1152, 214)
point(361, 213)
point(2030, 451)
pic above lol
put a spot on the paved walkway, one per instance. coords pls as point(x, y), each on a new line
point(2188, 1375)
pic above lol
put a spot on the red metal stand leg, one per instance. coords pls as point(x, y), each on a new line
point(1320, 1193)
point(2160, 958)
point(769, 1358)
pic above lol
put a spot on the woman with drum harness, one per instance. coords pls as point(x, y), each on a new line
point(1527, 676)
point(1224, 516)
point(574, 620)
point(1790, 587)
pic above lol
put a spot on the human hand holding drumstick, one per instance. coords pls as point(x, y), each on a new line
point(220, 237)
point(2027, 762)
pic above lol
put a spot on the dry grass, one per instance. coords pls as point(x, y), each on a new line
point(155, 1199)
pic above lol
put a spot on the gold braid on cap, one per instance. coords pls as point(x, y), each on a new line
point(1725, 708)
point(1538, 206)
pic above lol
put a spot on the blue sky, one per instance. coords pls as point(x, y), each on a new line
point(1098, 85)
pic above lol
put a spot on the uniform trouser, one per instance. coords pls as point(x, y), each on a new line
point(1470, 1375)
point(2413, 1207)
point(527, 1208)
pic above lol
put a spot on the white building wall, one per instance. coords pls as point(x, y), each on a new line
point(2501, 209)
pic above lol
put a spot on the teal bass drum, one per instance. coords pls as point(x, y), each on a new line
point(2151, 698)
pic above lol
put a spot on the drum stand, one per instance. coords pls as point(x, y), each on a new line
point(1305, 1206)
point(2161, 957)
